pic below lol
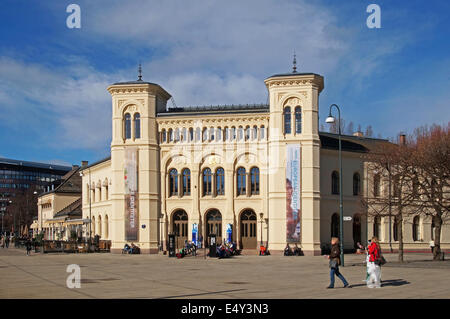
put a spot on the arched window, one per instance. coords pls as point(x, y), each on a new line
point(247, 133)
point(287, 120)
point(376, 185)
point(255, 133)
point(240, 133)
point(207, 181)
point(335, 225)
point(106, 236)
point(335, 183)
point(226, 133)
point(163, 136)
point(137, 125)
point(298, 120)
point(220, 181)
point(191, 134)
point(211, 134)
point(395, 230)
point(416, 229)
point(177, 135)
point(254, 180)
point(356, 184)
point(396, 186)
point(186, 181)
point(170, 132)
point(99, 226)
point(183, 135)
point(262, 133)
point(205, 134)
point(173, 182)
point(127, 126)
point(241, 181)
point(233, 133)
point(377, 226)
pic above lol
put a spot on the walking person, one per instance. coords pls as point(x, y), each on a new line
point(374, 280)
point(431, 245)
point(28, 246)
point(7, 241)
point(2, 241)
point(335, 261)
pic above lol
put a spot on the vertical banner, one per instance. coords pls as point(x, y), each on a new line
point(293, 213)
point(131, 194)
point(229, 232)
point(194, 234)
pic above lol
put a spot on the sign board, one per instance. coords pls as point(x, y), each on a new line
point(347, 218)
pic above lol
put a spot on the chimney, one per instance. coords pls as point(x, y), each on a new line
point(84, 163)
point(358, 134)
point(402, 139)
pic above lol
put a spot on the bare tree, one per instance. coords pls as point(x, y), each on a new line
point(350, 128)
point(432, 169)
point(391, 164)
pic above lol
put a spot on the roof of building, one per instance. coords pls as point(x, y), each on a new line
point(71, 210)
point(349, 142)
point(70, 183)
point(35, 165)
point(215, 109)
point(96, 163)
point(291, 74)
point(134, 82)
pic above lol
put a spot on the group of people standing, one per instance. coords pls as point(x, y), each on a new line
point(374, 261)
point(5, 240)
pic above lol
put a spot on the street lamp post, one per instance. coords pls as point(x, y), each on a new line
point(261, 220)
point(331, 119)
point(90, 214)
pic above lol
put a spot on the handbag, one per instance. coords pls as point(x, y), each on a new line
point(333, 264)
point(380, 261)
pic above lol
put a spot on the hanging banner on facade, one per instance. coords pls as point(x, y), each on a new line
point(195, 234)
point(131, 194)
point(293, 208)
point(229, 232)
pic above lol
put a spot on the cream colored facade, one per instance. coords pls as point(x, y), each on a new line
point(225, 142)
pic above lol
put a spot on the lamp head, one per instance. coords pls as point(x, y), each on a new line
point(330, 119)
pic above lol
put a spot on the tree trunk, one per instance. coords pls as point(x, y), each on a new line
point(400, 236)
point(437, 238)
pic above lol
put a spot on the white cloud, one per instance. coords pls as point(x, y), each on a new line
point(71, 112)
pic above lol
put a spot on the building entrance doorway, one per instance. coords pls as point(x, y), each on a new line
point(248, 238)
point(180, 227)
point(214, 225)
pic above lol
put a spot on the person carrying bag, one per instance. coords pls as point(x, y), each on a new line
point(334, 263)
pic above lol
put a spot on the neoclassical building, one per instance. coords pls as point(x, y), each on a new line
point(247, 173)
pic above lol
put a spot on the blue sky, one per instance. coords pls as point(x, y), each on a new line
point(54, 106)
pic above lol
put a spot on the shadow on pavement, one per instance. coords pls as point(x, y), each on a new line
point(386, 283)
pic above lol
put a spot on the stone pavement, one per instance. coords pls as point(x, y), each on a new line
point(107, 275)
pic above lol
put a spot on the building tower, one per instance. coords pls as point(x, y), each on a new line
point(294, 154)
point(135, 193)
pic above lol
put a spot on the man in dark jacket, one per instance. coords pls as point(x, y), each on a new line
point(335, 261)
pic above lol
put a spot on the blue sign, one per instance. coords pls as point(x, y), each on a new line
point(194, 234)
point(229, 232)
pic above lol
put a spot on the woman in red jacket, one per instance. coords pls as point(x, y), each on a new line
point(374, 269)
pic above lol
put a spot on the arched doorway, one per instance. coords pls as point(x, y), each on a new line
point(356, 230)
point(248, 239)
point(214, 225)
point(180, 227)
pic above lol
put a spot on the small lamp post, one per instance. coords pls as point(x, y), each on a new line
point(90, 214)
point(331, 119)
point(261, 220)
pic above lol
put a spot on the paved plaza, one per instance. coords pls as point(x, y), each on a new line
point(105, 275)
